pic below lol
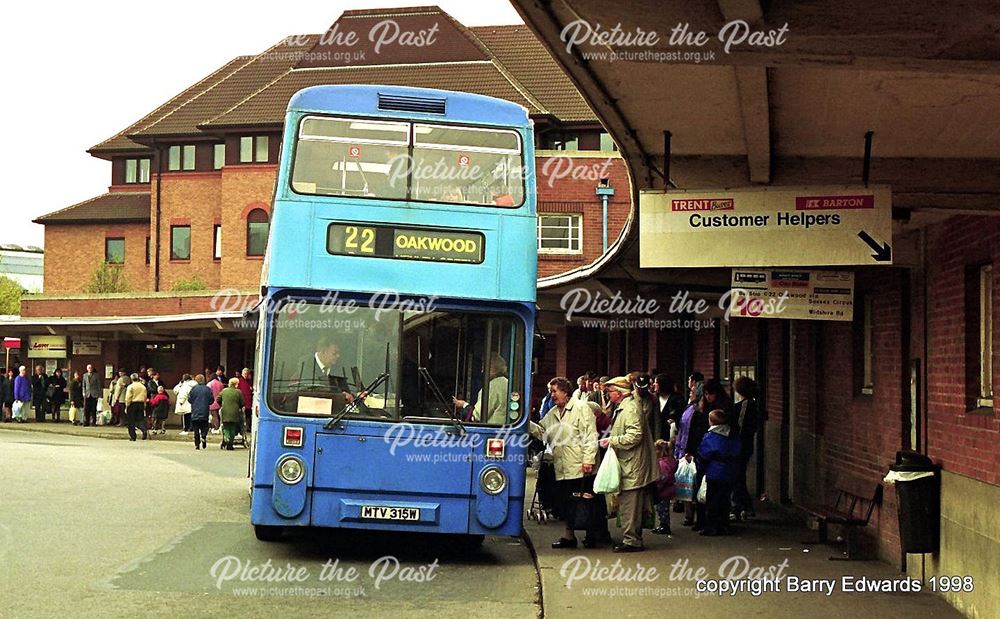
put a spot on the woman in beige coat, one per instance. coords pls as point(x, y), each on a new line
point(633, 444)
point(570, 429)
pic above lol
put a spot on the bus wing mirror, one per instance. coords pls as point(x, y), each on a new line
point(538, 346)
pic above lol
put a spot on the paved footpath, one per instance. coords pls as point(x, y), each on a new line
point(661, 580)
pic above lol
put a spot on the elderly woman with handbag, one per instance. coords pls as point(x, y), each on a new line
point(569, 428)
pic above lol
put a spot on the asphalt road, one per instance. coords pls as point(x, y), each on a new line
point(100, 528)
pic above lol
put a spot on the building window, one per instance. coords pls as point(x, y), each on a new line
point(219, 156)
point(561, 140)
point(217, 243)
point(258, 226)
point(114, 250)
point(180, 242)
point(136, 171)
point(607, 144)
point(253, 149)
point(180, 157)
point(147, 250)
point(867, 346)
point(725, 363)
point(985, 336)
point(560, 233)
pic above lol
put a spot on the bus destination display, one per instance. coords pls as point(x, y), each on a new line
point(405, 243)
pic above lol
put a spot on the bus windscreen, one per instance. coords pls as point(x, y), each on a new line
point(438, 364)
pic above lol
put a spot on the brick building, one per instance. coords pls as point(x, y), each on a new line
point(186, 213)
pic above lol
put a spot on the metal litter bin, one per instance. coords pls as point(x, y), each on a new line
point(918, 490)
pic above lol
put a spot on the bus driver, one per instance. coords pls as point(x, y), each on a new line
point(321, 376)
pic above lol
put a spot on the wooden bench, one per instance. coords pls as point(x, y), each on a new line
point(856, 500)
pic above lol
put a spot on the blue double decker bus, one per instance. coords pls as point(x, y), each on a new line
point(394, 340)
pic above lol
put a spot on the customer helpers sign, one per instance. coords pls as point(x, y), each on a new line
point(787, 226)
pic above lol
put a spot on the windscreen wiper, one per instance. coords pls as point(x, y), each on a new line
point(352, 406)
point(436, 392)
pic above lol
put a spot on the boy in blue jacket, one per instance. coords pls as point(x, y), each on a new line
point(720, 451)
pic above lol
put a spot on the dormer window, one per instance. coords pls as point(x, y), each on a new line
point(136, 171)
point(180, 157)
point(253, 149)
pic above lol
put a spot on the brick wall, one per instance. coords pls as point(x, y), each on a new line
point(74, 251)
point(149, 305)
point(567, 184)
point(189, 198)
point(670, 356)
point(743, 341)
point(243, 189)
point(705, 349)
point(961, 439)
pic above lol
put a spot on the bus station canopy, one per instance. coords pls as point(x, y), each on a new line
point(783, 93)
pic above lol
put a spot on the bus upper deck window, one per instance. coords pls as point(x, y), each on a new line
point(467, 165)
point(338, 157)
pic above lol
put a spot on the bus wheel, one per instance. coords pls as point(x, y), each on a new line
point(469, 543)
point(266, 533)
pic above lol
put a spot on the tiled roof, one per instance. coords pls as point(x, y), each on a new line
point(259, 71)
point(120, 141)
point(520, 52)
point(254, 90)
point(268, 105)
point(118, 206)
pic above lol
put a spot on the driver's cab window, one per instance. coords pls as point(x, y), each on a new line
point(471, 358)
point(324, 361)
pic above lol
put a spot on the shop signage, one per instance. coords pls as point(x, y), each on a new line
point(47, 347)
point(803, 295)
point(84, 346)
point(766, 227)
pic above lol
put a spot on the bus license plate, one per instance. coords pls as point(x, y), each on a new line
point(381, 512)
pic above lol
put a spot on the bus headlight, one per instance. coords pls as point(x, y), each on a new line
point(493, 480)
point(290, 470)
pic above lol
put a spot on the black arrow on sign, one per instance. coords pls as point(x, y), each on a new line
point(883, 253)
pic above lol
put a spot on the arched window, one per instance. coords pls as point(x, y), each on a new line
point(258, 226)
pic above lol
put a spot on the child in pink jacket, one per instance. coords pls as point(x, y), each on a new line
point(664, 486)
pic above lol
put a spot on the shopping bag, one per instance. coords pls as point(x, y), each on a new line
point(74, 414)
point(583, 511)
point(18, 409)
point(684, 480)
point(609, 475)
point(703, 491)
point(611, 505)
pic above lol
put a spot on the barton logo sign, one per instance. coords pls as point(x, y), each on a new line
point(815, 203)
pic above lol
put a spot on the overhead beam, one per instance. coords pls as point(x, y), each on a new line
point(751, 86)
point(755, 109)
point(543, 20)
point(749, 11)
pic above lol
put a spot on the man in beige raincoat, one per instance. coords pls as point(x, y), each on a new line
point(633, 444)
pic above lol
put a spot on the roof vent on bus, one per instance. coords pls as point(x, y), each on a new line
point(407, 103)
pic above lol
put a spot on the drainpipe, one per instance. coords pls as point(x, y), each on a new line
point(604, 192)
point(156, 250)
